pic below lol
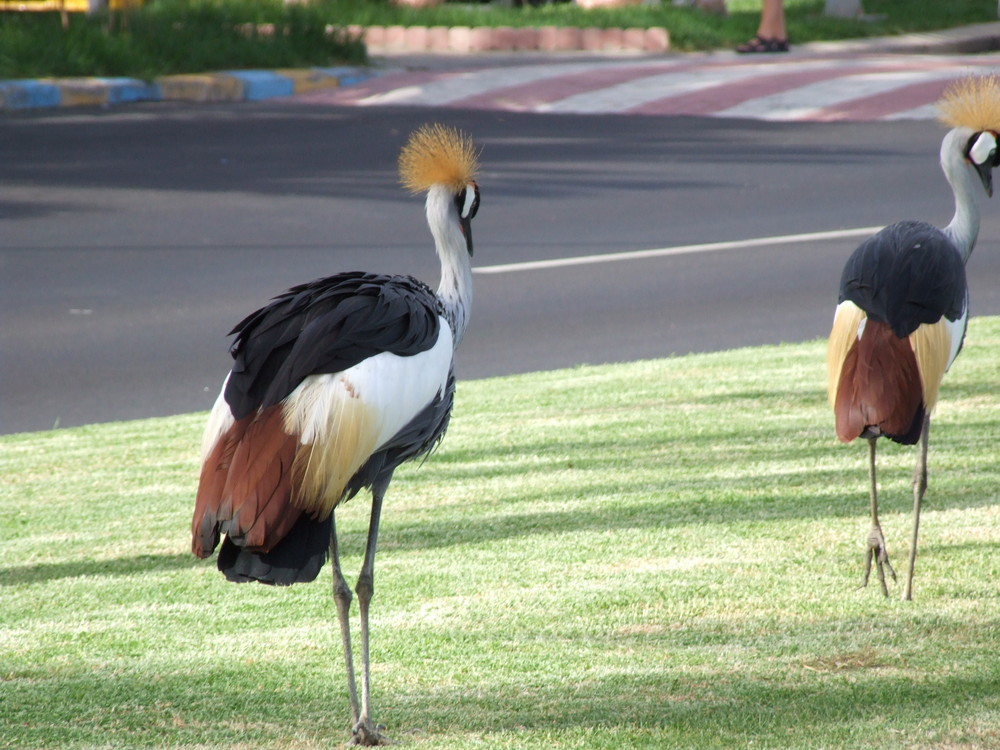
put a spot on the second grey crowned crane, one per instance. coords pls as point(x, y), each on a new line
point(336, 383)
point(903, 310)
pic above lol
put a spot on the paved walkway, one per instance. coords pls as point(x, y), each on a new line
point(805, 85)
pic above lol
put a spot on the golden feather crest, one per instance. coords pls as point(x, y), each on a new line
point(437, 155)
point(972, 102)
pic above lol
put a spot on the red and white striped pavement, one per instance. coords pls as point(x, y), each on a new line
point(792, 87)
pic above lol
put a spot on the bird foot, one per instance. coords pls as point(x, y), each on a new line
point(367, 734)
point(875, 551)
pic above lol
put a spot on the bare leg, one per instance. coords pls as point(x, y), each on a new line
point(342, 599)
point(771, 35)
point(919, 487)
point(772, 20)
point(365, 730)
point(875, 550)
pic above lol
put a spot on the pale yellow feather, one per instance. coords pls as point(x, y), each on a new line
point(932, 348)
point(437, 155)
point(338, 432)
point(972, 102)
point(844, 333)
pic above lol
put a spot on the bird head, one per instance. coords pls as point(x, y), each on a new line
point(981, 153)
point(439, 158)
point(971, 107)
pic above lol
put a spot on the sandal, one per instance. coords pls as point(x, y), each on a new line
point(763, 44)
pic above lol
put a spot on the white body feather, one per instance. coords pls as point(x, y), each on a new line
point(219, 422)
point(393, 389)
point(956, 332)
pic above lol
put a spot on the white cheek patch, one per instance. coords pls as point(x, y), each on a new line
point(982, 150)
point(956, 332)
point(470, 199)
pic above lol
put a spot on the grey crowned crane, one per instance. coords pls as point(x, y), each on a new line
point(335, 383)
point(903, 310)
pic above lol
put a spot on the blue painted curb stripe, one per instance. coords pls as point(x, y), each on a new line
point(262, 84)
point(256, 85)
point(348, 76)
point(28, 94)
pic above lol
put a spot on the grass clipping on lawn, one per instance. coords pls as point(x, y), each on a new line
point(662, 554)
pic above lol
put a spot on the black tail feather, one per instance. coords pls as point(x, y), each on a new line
point(298, 558)
point(912, 435)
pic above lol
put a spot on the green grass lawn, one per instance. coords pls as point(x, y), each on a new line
point(662, 554)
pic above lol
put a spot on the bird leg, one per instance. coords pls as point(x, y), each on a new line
point(875, 550)
point(365, 730)
point(342, 599)
point(919, 488)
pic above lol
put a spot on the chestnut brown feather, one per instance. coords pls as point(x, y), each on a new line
point(260, 482)
point(879, 388)
point(208, 508)
point(246, 486)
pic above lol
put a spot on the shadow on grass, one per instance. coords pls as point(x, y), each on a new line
point(121, 566)
point(608, 496)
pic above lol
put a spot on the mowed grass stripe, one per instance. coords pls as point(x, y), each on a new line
point(659, 554)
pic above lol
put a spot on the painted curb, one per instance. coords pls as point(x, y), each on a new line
point(28, 94)
point(226, 86)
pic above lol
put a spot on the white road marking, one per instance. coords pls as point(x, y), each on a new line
point(583, 260)
point(444, 91)
point(654, 86)
point(804, 102)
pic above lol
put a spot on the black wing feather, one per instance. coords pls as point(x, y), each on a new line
point(906, 275)
point(327, 326)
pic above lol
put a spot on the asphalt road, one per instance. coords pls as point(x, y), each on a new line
point(132, 239)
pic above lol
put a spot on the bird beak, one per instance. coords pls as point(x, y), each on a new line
point(983, 154)
point(466, 224)
point(985, 172)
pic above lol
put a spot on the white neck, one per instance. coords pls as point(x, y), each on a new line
point(964, 227)
point(455, 289)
